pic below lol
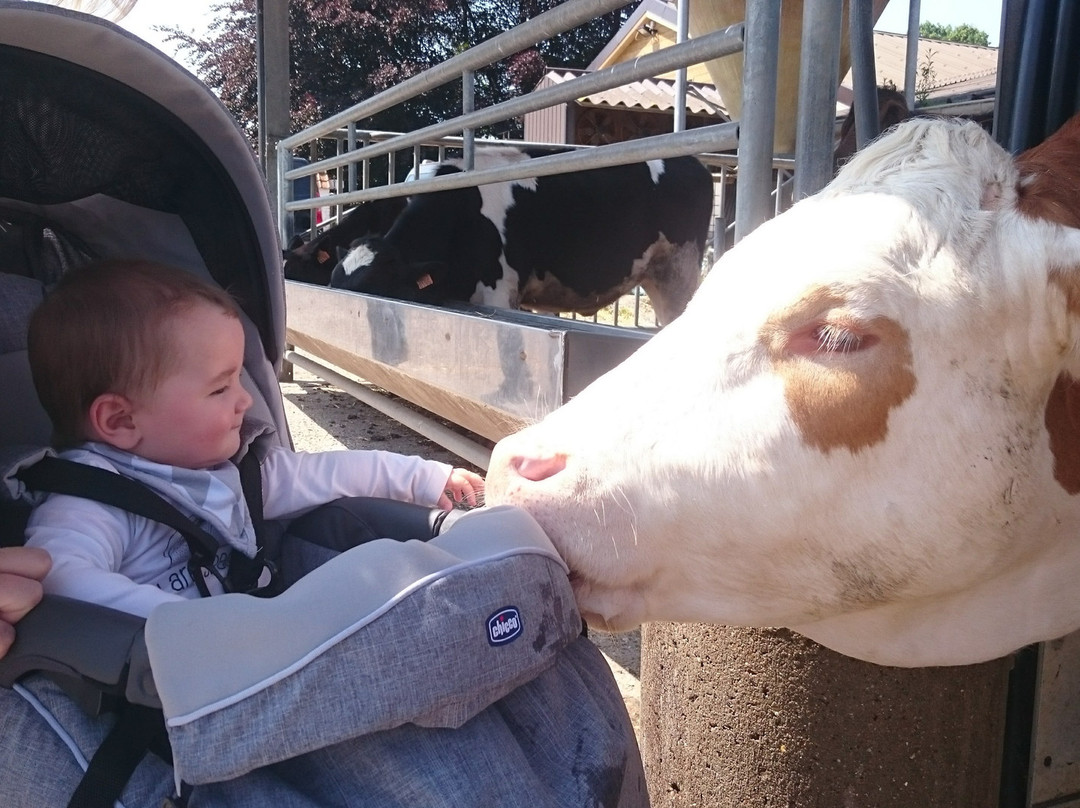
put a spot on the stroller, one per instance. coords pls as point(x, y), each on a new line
point(377, 677)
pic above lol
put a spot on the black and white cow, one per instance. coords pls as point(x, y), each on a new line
point(313, 261)
point(569, 242)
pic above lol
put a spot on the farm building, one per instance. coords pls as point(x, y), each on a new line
point(949, 73)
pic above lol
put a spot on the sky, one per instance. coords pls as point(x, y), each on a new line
point(982, 14)
point(193, 16)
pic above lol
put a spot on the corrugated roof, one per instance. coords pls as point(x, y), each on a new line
point(657, 94)
point(944, 69)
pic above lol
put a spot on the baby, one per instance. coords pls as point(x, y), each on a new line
point(139, 365)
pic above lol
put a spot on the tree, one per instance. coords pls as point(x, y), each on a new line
point(961, 33)
point(343, 51)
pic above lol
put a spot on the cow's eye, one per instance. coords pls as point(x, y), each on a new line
point(837, 339)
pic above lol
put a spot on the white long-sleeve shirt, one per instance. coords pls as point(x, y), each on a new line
point(119, 559)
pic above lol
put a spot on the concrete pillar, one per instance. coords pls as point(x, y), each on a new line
point(748, 717)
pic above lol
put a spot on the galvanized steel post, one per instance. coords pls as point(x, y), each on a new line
point(682, 28)
point(759, 115)
point(911, 64)
point(468, 105)
point(818, 71)
point(863, 74)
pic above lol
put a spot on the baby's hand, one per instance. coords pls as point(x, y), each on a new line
point(464, 486)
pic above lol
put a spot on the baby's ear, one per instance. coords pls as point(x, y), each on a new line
point(109, 421)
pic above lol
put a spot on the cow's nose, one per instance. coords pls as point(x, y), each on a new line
point(538, 468)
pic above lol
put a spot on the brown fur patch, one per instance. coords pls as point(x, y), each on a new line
point(1050, 177)
point(1068, 281)
point(1049, 189)
point(840, 400)
point(1063, 423)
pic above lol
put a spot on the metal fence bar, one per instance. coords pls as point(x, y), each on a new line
point(718, 137)
point(543, 26)
point(351, 146)
point(863, 74)
point(365, 166)
point(682, 32)
point(911, 64)
point(818, 71)
point(441, 147)
point(699, 49)
point(712, 159)
point(284, 192)
point(756, 131)
point(468, 106)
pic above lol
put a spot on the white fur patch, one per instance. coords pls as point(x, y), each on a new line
point(358, 258)
point(497, 198)
point(656, 169)
point(505, 293)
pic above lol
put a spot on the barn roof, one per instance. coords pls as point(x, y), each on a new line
point(946, 70)
point(650, 94)
point(650, 27)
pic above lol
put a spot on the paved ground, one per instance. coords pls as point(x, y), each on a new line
point(322, 417)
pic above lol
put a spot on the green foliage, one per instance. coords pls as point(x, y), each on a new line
point(926, 80)
point(344, 51)
point(960, 33)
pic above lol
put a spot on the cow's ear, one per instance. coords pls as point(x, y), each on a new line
point(433, 271)
point(1050, 177)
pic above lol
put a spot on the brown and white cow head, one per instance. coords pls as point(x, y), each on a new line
point(863, 427)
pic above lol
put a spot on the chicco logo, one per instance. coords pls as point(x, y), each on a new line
point(504, 626)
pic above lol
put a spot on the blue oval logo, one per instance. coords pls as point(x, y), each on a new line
point(504, 626)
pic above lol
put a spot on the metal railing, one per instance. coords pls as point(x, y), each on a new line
point(765, 183)
point(752, 136)
point(353, 150)
point(360, 150)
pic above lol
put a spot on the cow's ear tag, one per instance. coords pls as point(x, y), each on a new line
point(424, 281)
point(322, 256)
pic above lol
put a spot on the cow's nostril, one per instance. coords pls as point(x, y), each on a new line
point(539, 468)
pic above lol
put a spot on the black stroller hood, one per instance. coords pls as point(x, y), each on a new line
point(114, 142)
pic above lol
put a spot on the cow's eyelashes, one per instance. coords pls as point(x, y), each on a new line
point(837, 339)
point(830, 334)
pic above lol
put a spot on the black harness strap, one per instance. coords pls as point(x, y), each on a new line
point(59, 476)
point(137, 730)
point(245, 574)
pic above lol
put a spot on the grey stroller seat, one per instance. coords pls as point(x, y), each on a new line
point(24, 421)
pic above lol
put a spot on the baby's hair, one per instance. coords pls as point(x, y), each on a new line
point(103, 329)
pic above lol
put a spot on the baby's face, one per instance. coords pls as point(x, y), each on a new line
point(192, 419)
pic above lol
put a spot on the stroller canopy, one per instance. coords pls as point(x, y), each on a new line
point(125, 153)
